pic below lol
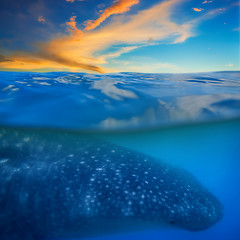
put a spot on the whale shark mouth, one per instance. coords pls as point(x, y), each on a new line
point(56, 184)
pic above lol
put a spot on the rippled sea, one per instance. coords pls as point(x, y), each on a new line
point(191, 122)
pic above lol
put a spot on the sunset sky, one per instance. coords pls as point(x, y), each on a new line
point(119, 35)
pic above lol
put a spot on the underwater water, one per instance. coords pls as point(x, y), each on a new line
point(119, 156)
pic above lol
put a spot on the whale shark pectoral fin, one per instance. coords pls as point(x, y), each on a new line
point(18, 229)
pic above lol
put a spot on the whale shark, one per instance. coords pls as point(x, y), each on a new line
point(58, 185)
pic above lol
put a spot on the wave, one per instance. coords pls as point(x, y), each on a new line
point(116, 101)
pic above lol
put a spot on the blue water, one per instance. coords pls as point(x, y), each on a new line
point(117, 101)
point(190, 121)
point(211, 152)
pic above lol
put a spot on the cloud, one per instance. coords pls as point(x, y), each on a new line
point(119, 6)
point(146, 65)
point(209, 15)
point(230, 65)
point(154, 23)
point(198, 9)
point(119, 52)
point(74, 1)
point(41, 19)
point(72, 27)
point(45, 60)
point(4, 59)
point(84, 50)
point(206, 2)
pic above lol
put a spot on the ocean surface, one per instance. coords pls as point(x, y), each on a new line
point(190, 122)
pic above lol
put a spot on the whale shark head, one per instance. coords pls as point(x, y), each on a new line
point(183, 202)
point(197, 212)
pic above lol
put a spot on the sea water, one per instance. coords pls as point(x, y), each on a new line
point(189, 121)
point(211, 152)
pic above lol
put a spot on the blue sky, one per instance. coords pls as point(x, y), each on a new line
point(120, 35)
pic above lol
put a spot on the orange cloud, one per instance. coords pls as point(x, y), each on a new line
point(83, 50)
point(119, 6)
point(72, 27)
point(41, 19)
point(43, 60)
point(198, 9)
point(154, 23)
point(74, 0)
point(206, 2)
point(4, 59)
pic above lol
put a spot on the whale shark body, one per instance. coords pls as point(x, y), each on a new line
point(56, 185)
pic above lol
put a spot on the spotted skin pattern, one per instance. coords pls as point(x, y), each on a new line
point(63, 185)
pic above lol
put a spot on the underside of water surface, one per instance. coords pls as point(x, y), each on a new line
point(116, 101)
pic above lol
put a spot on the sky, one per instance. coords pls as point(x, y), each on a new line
point(107, 36)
